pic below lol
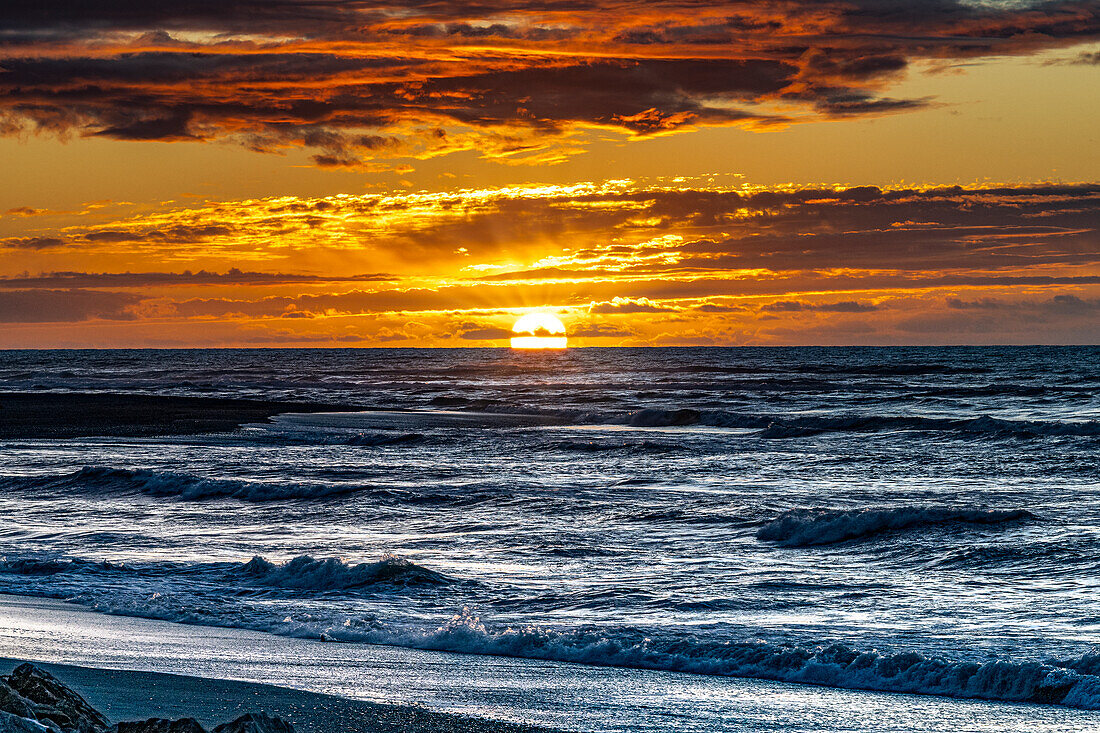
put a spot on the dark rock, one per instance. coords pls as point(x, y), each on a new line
point(19, 724)
point(256, 723)
point(54, 701)
point(14, 703)
point(160, 725)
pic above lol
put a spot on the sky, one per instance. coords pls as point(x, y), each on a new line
point(238, 173)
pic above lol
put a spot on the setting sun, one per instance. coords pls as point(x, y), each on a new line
point(538, 331)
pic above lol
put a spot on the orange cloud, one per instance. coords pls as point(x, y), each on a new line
point(516, 81)
point(619, 262)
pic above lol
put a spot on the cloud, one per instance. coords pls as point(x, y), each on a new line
point(1062, 304)
point(233, 276)
point(635, 263)
point(609, 246)
point(720, 308)
point(601, 330)
point(1063, 318)
point(31, 243)
point(26, 211)
point(291, 337)
point(485, 334)
point(619, 228)
point(45, 306)
point(796, 306)
point(628, 305)
point(354, 82)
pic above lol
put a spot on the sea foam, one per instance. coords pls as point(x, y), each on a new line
point(1071, 682)
point(1056, 682)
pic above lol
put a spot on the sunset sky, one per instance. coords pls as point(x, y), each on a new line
point(356, 173)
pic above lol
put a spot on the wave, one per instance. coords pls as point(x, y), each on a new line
point(807, 527)
point(1071, 682)
point(328, 574)
point(978, 427)
point(188, 487)
point(34, 566)
point(626, 446)
point(360, 439)
point(655, 418)
point(380, 439)
point(772, 426)
point(185, 486)
point(302, 573)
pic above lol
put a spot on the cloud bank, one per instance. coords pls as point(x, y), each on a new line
point(620, 262)
point(359, 81)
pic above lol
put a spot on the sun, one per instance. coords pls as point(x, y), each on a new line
point(538, 331)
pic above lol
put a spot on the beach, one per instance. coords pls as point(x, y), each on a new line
point(129, 695)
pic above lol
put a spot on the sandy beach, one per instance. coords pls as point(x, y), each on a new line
point(126, 695)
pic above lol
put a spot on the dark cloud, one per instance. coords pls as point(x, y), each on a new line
point(713, 308)
point(485, 334)
point(146, 279)
point(290, 337)
point(31, 242)
point(45, 306)
point(354, 80)
point(177, 234)
point(1063, 304)
point(935, 229)
point(601, 330)
point(28, 211)
point(1061, 319)
point(795, 306)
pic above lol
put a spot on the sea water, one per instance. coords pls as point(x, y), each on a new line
point(915, 520)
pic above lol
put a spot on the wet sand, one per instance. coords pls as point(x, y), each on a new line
point(32, 415)
point(129, 695)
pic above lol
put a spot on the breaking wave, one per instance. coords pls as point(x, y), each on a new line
point(808, 527)
point(798, 426)
point(1071, 682)
point(185, 486)
point(625, 446)
point(328, 574)
point(302, 573)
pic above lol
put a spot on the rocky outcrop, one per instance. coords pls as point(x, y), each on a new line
point(34, 701)
point(54, 702)
point(17, 724)
point(255, 723)
point(14, 703)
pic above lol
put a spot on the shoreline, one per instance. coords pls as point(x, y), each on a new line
point(38, 415)
point(423, 691)
point(128, 695)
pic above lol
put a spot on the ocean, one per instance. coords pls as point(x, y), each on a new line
point(906, 520)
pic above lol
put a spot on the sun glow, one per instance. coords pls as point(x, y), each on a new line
point(538, 331)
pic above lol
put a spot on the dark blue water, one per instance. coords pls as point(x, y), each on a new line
point(905, 519)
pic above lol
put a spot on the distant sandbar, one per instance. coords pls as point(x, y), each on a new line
point(31, 415)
